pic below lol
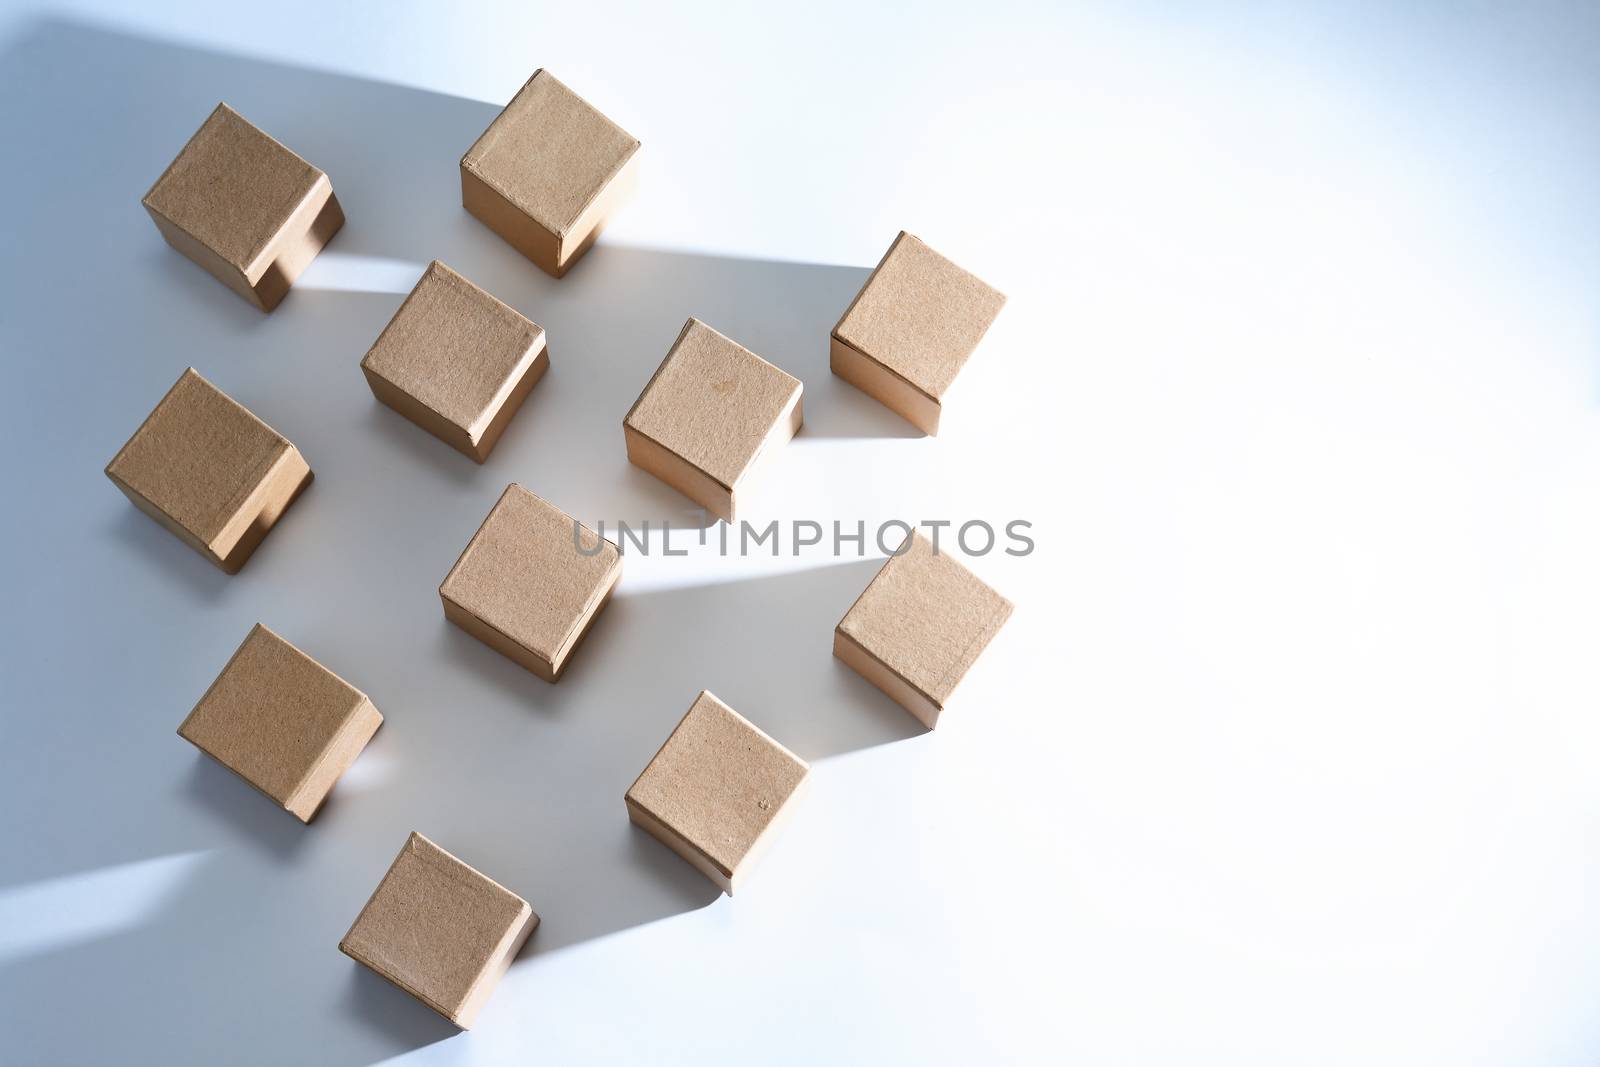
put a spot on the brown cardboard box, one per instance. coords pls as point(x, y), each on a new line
point(909, 331)
point(456, 361)
point(209, 471)
point(440, 930)
point(522, 586)
point(717, 791)
point(244, 207)
point(919, 627)
point(282, 721)
point(548, 172)
point(708, 414)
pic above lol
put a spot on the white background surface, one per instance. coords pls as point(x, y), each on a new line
point(1287, 756)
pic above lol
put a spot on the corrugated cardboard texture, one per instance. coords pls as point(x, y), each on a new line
point(522, 579)
point(210, 471)
point(282, 722)
point(556, 162)
point(920, 316)
point(244, 207)
point(926, 619)
point(459, 360)
point(440, 930)
point(716, 790)
point(717, 406)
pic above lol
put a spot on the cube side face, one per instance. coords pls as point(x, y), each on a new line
point(347, 744)
point(849, 651)
point(691, 855)
point(510, 224)
point(273, 716)
point(392, 396)
point(586, 622)
point(783, 430)
point(717, 787)
point(301, 240)
point(523, 586)
point(234, 191)
point(516, 395)
point(282, 486)
point(649, 455)
point(715, 404)
point(167, 522)
point(199, 459)
point(920, 316)
point(439, 929)
point(925, 618)
point(500, 962)
point(522, 656)
point(213, 264)
point(592, 221)
point(552, 158)
point(453, 357)
point(884, 386)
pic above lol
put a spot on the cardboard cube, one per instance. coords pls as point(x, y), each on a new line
point(919, 627)
point(282, 721)
point(244, 207)
point(456, 361)
point(209, 471)
point(911, 329)
point(711, 412)
point(717, 791)
point(531, 582)
point(548, 172)
point(440, 930)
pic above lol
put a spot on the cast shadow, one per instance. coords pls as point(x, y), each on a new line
point(391, 1014)
point(235, 967)
point(392, 153)
point(764, 645)
point(520, 779)
point(218, 792)
point(160, 550)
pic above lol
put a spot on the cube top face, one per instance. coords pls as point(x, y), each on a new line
point(273, 715)
point(927, 618)
point(455, 349)
point(718, 783)
point(550, 153)
point(523, 575)
point(713, 403)
point(438, 929)
point(199, 458)
point(233, 189)
point(920, 316)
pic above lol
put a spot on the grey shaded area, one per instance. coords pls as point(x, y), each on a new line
point(124, 627)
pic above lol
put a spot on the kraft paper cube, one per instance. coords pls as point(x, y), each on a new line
point(711, 412)
point(911, 329)
point(456, 361)
point(717, 791)
point(440, 930)
point(244, 207)
point(548, 172)
point(531, 582)
point(209, 471)
point(283, 722)
point(919, 627)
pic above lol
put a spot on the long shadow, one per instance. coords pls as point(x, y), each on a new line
point(763, 645)
point(125, 627)
point(521, 778)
